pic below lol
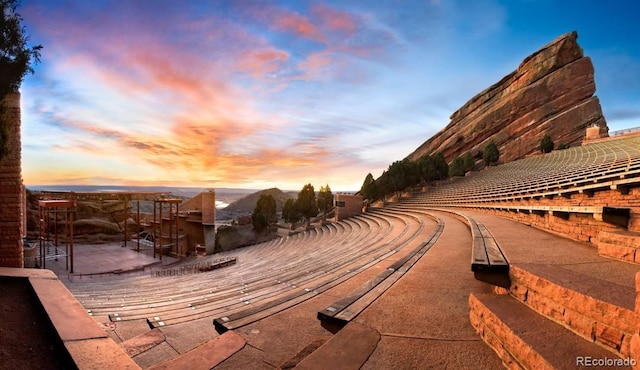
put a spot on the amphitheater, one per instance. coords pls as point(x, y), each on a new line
point(472, 273)
point(531, 264)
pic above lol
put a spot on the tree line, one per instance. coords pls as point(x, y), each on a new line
point(405, 173)
point(306, 206)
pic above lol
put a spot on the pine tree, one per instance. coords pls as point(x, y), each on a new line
point(546, 144)
point(264, 212)
point(369, 189)
point(325, 200)
point(15, 62)
point(491, 153)
point(306, 203)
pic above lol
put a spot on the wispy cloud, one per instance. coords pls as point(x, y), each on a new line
point(262, 64)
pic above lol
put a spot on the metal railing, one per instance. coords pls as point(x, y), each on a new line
point(625, 131)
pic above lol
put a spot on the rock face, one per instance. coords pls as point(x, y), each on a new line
point(551, 93)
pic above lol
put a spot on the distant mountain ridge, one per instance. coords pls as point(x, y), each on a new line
point(184, 191)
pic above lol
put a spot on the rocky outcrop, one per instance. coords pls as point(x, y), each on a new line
point(551, 93)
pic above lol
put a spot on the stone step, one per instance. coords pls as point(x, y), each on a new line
point(600, 311)
point(524, 339)
point(306, 351)
point(350, 348)
point(620, 245)
point(207, 355)
point(142, 342)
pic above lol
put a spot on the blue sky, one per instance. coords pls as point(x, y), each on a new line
point(257, 94)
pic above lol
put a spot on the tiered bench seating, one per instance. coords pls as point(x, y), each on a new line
point(611, 164)
point(544, 184)
point(266, 278)
point(276, 275)
point(375, 252)
point(488, 261)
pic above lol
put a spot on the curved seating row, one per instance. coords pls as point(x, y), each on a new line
point(267, 277)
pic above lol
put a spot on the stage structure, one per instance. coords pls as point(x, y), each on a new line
point(119, 209)
point(175, 227)
point(60, 213)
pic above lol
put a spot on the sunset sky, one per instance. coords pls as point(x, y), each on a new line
point(255, 94)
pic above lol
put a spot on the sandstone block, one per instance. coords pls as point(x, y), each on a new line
point(625, 348)
point(518, 291)
point(609, 336)
point(634, 349)
point(580, 324)
point(617, 252)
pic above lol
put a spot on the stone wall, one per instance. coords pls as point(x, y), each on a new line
point(11, 195)
point(551, 93)
point(578, 226)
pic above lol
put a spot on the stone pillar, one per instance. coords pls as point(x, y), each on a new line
point(209, 207)
point(11, 194)
point(209, 220)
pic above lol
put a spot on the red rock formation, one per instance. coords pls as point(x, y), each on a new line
point(551, 93)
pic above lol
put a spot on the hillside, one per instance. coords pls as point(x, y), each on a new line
point(245, 205)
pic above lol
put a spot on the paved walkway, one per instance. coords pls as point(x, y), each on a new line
point(423, 320)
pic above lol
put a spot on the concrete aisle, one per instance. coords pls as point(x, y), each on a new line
point(423, 319)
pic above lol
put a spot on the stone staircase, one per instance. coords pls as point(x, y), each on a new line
point(552, 317)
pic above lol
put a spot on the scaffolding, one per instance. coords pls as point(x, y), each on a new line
point(160, 224)
point(119, 215)
point(164, 233)
point(60, 212)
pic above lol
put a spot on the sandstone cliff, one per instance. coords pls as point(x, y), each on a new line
point(551, 93)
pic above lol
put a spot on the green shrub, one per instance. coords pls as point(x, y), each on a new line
point(546, 144)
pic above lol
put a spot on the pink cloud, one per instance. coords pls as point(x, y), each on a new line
point(259, 63)
point(285, 20)
point(316, 65)
point(297, 24)
point(336, 20)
